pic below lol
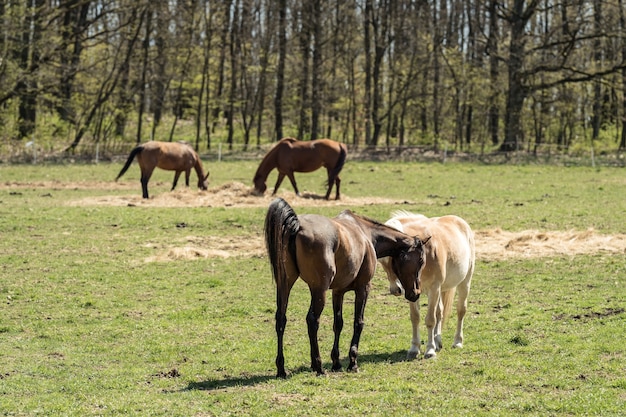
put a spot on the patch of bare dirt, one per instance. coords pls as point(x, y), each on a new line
point(495, 244)
point(231, 194)
point(194, 247)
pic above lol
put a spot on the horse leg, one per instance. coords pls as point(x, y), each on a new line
point(282, 299)
point(337, 185)
point(461, 308)
point(176, 176)
point(331, 181)
point(318, 299)
point(416, 342)
point(293, 183)
point(187, 174)
point(438, 325)
point(360, 300)
point(434, 299)
point(337, 327)
point(145, 177)
point(279, 180)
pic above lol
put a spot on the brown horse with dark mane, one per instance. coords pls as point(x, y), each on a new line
point(170, 156)
point(290, 155)
point(337, 254)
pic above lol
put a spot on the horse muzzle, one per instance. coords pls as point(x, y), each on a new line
point(412, 296)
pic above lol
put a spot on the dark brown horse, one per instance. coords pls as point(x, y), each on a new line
point(337, 254)
point(290, 155)
point(170, 156)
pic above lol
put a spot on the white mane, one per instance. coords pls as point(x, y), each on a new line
point(399, 214)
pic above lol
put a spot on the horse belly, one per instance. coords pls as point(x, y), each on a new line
point(304, 160)
point(455, 274)
point(356, 265)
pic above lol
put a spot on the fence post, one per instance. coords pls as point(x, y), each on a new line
point(593, 159)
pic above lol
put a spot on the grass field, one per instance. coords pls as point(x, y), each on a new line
point(110, 309)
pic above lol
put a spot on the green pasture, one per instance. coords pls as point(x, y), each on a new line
point(89, 327)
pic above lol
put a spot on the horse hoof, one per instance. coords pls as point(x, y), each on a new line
point(354, 369)
point(281, 375)
point(457, 346)
point(412, 355)
point(429, 355)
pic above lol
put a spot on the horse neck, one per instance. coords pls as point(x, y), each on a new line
point(198, 167)
point(387, 240)
point(268, 163)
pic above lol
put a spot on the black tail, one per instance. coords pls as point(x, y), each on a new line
point(343, 153)
point(281, 227)
point(129, 161)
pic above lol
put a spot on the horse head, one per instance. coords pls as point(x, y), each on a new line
point(203, 182)
point(259, 185)
point(407, 267)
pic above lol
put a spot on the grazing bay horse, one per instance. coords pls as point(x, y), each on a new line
point(290, 155)
point(450, 258)
point(170, 156)
point(337, 254)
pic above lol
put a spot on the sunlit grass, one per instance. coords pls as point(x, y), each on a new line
point(89, 327)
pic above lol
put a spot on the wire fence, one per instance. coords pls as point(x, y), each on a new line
point(114, 151)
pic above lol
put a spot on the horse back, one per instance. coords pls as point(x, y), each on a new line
point(333, 253)
point(307, 156)
point(170, 156)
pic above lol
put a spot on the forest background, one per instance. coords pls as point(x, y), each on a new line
point(466, 75)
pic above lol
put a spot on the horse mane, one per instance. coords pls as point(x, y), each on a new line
point(262, 171)
point(365, 218)
point(198, 166)
point(398, 214)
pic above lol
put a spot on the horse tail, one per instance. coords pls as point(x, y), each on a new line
point(281, 228)
point(447, 298)
point(137, 150)
point(343, 154)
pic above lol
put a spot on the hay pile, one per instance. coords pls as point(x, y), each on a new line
point(494, 244)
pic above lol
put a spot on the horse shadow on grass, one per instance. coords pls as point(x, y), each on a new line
point(246, 380)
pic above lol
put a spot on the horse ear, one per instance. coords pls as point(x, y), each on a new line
point(424, 241)
point(207, 176)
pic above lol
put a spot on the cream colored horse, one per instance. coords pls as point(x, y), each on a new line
point(450, 259)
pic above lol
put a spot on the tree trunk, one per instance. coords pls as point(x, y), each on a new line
point(304, 37)
point(144, 71)
point(622, 25)
point(367, 43)
point(161, 81)
point(74, 24)
point(280, 69)
point(494, 94)
point(234, 39)
point(208, 30)
point(596, 117)
point(517, 89)
point(316, 74)
point(225, 15)
point(28, 57)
